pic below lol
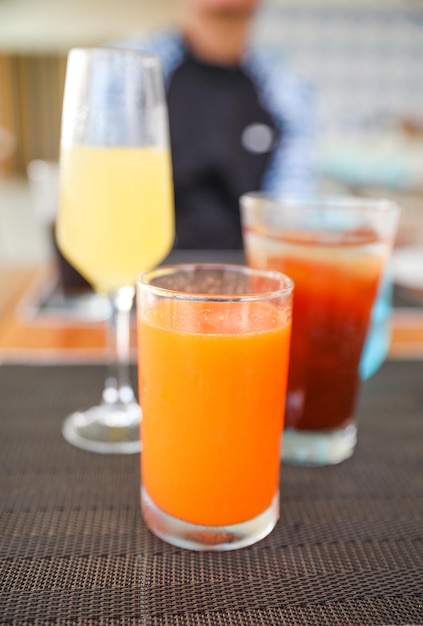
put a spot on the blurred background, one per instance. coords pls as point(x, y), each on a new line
point(365, 59)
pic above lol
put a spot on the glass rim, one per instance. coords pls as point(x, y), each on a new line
point(325, 202)
point(143, 282)
point(141, 54)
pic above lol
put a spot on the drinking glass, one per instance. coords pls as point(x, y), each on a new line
point(115, 212)
point(213, 342)
point(335, 250)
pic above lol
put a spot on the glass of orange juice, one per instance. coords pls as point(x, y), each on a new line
point(335, 250)
point(213, 363)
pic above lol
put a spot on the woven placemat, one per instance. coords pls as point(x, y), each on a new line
point(74, 549)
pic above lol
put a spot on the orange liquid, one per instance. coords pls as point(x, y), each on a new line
point(336, 283)
point(212, 394)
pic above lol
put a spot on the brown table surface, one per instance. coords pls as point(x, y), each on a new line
point(28, 334)
point(74, 549)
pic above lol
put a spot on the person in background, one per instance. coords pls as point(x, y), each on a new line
point(238, 120)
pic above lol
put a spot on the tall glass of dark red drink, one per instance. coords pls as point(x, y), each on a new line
point(335, 250)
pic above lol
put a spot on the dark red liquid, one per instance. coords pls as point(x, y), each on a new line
point(335, 288)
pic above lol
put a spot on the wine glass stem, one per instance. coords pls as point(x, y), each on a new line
point(118, 389)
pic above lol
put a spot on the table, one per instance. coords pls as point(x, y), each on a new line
point(74, 549)
point(30, 335)
point(35, 327)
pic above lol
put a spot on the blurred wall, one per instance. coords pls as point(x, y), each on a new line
point(35, 36)
point(31, 92)
point(365, 57)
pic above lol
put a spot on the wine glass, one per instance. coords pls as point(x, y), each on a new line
point(115, 216)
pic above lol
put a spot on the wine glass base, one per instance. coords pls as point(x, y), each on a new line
point(105, 430)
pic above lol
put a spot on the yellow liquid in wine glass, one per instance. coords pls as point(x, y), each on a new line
point(116, 212)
